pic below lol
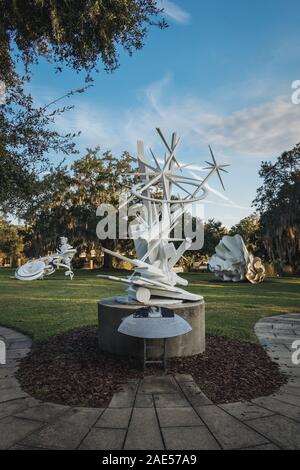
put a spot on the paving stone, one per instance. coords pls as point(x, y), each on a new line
point(290, 390)
point(144, 432)
point(9, 382)
point(20, 344)
point(285, 319)
point(288, 336)
point(10, 407)
point(7, 333)
point(288, 347)
point(190, 388)
point(229, 432)
point(103, 439)
point(184, 378)
point(294, 382)
point(154, 384)
point(43, 412)
point(12, 337)
point(282, 326)
point(4, 331)
point(268, 336)
point(143, 401)
point(178, 417)
point(11, 366)
point(114, 418)
point(67, 431)
point(279, 350)
point(125, 397)
point(122, 400)
point(267, 320)
point(282, 354)
point(14, 429)
point(294, 371)
point(194, 395)
point(245, 410)
point(262, 326)
point(189, 438)
point(291, 399)
point(263, 447)
point(291, 316)
point(170, 400)
point(6, 372)
point(279, 429)
point(279, 407)
point(199, 400)
point(8, 394)
point(133, 382)
point(271, 342)
point(16, 353)
point(20, 447)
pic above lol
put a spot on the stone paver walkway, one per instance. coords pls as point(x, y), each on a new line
point(157, 412)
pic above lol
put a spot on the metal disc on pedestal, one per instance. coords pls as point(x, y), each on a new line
point(154, 322)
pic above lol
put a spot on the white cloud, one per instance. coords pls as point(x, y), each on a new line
point(174, 11)
point(262, 131)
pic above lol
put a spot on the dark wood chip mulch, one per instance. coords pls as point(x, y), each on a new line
point(70, 369)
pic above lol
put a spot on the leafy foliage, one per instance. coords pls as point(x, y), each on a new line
point(214, 231)
point(68, 200)
point(249, 229)
point(11, 245)
point(26, 139)
point(278, 201)
point(75, 33)
point(78, 34)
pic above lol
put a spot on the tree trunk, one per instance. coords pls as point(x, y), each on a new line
point(108, 259)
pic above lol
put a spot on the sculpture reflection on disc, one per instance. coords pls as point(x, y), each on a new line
point(154, 322)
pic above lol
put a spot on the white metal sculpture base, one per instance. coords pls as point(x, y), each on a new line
point(46, 265)
point(233, 262)
point(154, 281)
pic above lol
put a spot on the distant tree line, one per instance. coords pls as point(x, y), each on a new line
point(67, 198)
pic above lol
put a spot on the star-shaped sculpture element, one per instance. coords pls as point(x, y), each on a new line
point(165, 177)
point(214, 167)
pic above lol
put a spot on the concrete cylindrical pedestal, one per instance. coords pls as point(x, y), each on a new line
point(111, 312)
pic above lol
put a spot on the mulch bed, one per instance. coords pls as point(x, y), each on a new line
point(70, 369)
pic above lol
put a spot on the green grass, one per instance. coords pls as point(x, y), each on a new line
point(56, 304)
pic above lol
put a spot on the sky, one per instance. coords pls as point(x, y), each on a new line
point(221, 74)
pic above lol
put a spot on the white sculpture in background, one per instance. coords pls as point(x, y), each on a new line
point(154, 280)
point(46, 265)
point(233, 262)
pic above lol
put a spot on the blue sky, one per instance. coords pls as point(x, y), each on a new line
point(221, 74)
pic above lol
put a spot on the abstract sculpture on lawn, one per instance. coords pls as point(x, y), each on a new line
point(154, 281)
point(46, 265)
point(233, 262)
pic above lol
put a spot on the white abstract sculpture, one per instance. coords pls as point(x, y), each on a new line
point(46, 265)
point(233, 262)
point(154, 280)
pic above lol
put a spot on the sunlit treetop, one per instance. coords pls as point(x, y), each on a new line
point(77, 33)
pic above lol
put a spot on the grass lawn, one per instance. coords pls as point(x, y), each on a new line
point(56, 304)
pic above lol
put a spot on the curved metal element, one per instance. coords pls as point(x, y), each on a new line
point(154, 327)
point(38, 268)
point(233, 262)
point(154, 279)
point(136, 193)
